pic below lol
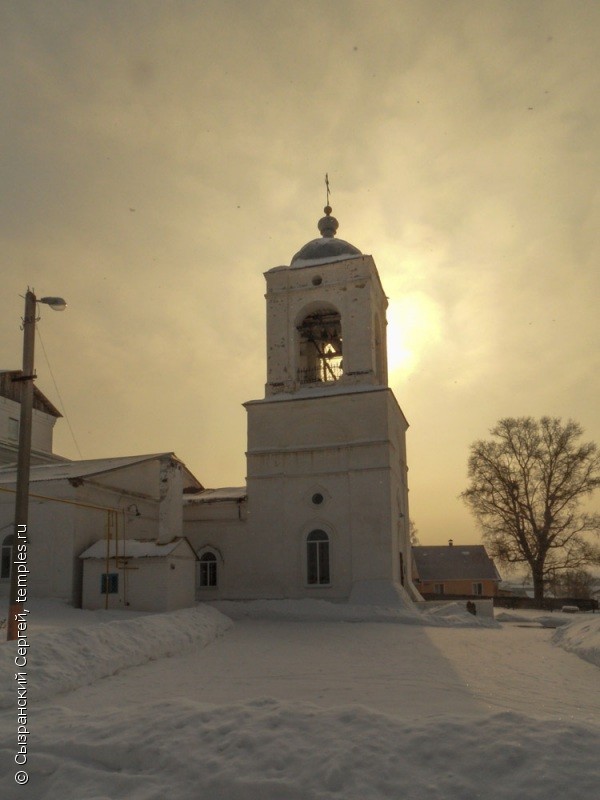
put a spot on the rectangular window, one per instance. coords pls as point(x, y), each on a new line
point(312, 563)
point(323, 562)
point(208, 573)
point(109, 583)
point(438, 588)
point(478, 588)
point(317, 559)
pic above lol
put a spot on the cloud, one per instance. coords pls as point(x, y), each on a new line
point(160, 156)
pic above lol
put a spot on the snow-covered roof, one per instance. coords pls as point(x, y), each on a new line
point(327, 247)
point(322, 256)
point(454, 562)
point(325, 389)
point(216, 495)
point(83, 469)
point(332, 389)
point(133, 548)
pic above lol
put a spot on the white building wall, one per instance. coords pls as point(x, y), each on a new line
point(73, 517)
point(143, 587)
point(170, 513)
point(222, 528)
point(146, 584)
point(42, 429)
point(347, 447)
point(180, 582)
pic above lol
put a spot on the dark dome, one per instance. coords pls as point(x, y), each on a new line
point(327, 246)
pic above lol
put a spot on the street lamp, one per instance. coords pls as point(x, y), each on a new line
point(24, 457)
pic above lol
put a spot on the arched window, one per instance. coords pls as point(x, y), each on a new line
point(208, 570)
point(317, 558)
point(320, 343)
point(6, 556)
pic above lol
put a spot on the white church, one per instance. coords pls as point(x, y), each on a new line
point(324, 513)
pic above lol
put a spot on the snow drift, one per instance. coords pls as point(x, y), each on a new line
point(581, 637)
point(265, 749)
point(65, 659)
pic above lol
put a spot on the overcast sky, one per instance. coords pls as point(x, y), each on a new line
point(158, 156)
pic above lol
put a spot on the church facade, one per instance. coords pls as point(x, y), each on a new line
point(325, 510)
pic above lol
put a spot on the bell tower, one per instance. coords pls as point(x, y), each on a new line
point(327, 471)
point(325, 318)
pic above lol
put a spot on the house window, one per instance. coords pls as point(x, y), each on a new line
point(317, 558)
point(109, 583)
point(478, 588)
point(6, 556)
point(438, 588)
point(208, 570)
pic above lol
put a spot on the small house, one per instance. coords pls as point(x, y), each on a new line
point(455, 570)
point(144, 575)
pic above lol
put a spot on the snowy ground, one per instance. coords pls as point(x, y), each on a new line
point(291, 703)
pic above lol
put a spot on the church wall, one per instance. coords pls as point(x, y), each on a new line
point(181, 579)
point(336, 419)
point(42, 428)
point(59, 530)
point(399, 510)
point(285, 515)
point(339, 447)
point(220, 528)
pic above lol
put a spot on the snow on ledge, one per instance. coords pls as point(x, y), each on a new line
point(65, 659)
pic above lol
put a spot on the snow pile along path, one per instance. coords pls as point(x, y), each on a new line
point(581, 637)
point(62, 660)
point(266, 749)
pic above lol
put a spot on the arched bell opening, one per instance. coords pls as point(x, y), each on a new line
point(320, 357)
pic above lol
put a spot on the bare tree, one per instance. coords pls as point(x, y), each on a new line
point(414, 533)
point(526, 489)
point(573, 583)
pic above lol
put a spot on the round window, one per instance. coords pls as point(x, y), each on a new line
point(317, 498)
point(317, 280)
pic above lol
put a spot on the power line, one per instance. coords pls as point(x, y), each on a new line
point(62, 402)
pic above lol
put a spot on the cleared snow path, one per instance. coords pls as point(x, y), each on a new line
point(391, 668)
point(403, 670)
